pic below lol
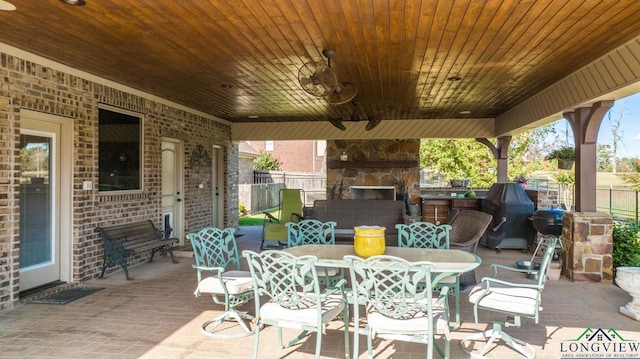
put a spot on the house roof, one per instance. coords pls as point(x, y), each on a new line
point(245, 150)
point(427, 68)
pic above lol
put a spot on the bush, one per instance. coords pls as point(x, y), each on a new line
point(267, 162)
point(626, 245)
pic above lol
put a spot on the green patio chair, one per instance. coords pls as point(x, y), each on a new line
point(216, 253)
point(516, 300)
point(429, 235)
point(399, 302)
point(294, 297)
point(313, 231)
point(290, 210)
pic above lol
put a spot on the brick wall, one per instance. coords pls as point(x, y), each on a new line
point(29, 85)
point(297, 156)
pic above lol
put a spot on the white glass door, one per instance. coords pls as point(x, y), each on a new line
point(172, 205)
point(39, 231)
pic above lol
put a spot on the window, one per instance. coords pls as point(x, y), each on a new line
point(119, 150)
point(321, 148)
point(268, 145)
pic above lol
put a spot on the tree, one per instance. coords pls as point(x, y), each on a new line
point(604, 158)
point(35, 159)
point(615, 121)
point(567, 181)
point(459, 159)
point(632, 178)
point(266, 162)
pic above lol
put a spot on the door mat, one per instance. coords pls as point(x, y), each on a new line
point(65, 296)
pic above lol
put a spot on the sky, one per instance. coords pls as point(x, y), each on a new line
point(629, 146)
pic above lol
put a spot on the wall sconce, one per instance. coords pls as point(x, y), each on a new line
point(344, 157)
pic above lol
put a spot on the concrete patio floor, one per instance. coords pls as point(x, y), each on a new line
point(157, 316)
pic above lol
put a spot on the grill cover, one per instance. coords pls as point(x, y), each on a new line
point(510, 202)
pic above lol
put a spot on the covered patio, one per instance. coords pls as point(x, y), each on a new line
point(157, 316)
point(201, 76)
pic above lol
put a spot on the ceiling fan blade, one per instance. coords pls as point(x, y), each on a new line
point(338, 123)
point(373, 122)
point(305, 81)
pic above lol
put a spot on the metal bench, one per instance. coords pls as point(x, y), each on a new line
point(122, 241)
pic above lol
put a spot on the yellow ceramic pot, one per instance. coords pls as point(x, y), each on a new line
point(369, 241)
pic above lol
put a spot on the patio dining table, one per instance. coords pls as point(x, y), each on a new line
point(447, 261)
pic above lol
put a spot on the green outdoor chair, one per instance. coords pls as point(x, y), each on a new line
point(399, 302)
point(290, 210)
point(312, 231)
point(516, 300)
point(214, 251)
point(429, 235)
point(294, 297)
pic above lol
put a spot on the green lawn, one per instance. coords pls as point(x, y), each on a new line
point(256, 219)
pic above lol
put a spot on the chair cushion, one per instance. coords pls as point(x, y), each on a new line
point(308, 315)
point(330, 271)
point(236, 281)
point(514, 300)
point(415, 323)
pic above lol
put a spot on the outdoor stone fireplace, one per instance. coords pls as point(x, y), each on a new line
point(376, 163)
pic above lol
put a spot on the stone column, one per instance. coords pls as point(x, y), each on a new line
point(587, 238)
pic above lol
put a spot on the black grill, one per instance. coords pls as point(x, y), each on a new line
point(511, 209)
point(548, 221)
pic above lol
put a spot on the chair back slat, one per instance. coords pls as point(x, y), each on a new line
point(545, 263)
point(215, 247)
point(288, 280)
point(310, 231)
point(392, 285)
point(423, 235)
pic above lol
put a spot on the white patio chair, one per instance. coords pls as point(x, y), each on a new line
point(429, 235)
point(312, 231)
point(295, 299)
point(513, 299)
point(214, 250)
point(399, 302)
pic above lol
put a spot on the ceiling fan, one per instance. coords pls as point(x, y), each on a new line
point(344, 91)
point(355, 117)
point(317, 79)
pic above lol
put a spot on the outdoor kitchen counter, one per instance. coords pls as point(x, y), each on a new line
point(436, 208)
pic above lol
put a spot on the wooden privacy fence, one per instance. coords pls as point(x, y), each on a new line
point(264, 194)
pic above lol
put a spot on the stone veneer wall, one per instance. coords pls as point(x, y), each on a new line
point(28, 85)
point(360, 151)
point(543, 199)
point(587, 238)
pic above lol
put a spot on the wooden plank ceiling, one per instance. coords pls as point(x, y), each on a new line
point(240, 59)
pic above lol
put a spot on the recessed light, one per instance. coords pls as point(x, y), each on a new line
point(454, 78)
point(73, 2)
point(6, 6)
point(465, 112)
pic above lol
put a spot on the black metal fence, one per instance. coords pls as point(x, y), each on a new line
point(622, 204)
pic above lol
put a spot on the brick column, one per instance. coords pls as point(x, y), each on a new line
point(587, 238)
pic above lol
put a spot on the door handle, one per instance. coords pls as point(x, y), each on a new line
point(179, 200)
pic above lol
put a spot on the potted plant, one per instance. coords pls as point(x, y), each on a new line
point(565, 157)
point(626, 262)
